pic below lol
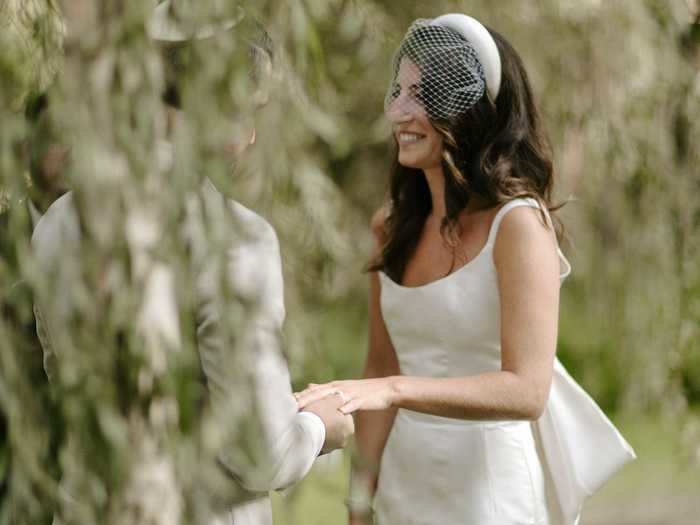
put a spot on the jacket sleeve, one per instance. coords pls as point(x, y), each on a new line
point(267, 445)
point(54, 246)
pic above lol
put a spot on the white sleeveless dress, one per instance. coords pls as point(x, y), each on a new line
point(449, 471)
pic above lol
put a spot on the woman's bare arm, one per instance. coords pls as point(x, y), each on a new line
point(372, 428)
point(528, 280)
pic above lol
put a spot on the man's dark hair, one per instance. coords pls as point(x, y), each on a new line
point(181, 59)
point(45, 150)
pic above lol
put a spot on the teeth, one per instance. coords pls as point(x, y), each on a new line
point(409, 137)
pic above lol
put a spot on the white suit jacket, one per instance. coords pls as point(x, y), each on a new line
point(246, 367)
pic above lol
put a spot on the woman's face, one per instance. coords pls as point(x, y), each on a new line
point(420, 144)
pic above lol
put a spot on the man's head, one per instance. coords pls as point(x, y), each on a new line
point(244, 53)
point(45, 153)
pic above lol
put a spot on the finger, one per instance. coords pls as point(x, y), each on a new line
point(309, 396)
point(304, 399)
point(299, 395)
point(343, 398)
point(351, 406)
point(314, 387)
point(311, 387)
point(308, 390)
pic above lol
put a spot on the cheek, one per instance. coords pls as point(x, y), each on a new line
point(234, 150)
point(54, 161)
point(436, 146)
point(239, 142)
point(434, 142)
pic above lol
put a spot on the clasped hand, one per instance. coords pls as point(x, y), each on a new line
point(354, 395)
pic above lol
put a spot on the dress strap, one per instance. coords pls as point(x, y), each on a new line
point(515, 203)
point(565, 267)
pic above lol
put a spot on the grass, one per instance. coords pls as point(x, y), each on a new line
point(661, 488)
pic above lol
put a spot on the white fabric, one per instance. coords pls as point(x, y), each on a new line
point(482, 42)
point(440, 470)
point(285, 443)
point(34, 214)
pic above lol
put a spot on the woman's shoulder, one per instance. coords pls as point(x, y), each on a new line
point(521, 213)
point(524, 218)
point(526, 231)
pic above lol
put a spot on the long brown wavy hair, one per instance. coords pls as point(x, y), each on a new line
point(496, 149)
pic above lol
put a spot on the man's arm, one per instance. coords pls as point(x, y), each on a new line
point(54, 245)
point(272, 445)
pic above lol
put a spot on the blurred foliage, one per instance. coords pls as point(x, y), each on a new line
point(619, 88)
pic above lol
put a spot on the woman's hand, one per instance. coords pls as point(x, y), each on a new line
point(362, 394)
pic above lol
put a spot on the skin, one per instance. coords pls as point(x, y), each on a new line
point(527, 267)
point(339, 427)
point(238, 143)
point(232, 148)
point(48, 175)
point(47, 159)
point(409, 119)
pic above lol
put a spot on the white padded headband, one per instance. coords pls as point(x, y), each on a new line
point(482, 42)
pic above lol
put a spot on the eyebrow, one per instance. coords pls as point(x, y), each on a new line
point(413, 86)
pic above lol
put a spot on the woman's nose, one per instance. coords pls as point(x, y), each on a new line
point(399, 110)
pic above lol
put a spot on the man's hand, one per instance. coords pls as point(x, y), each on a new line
point(339, 427)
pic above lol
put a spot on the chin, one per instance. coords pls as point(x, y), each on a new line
point(415, 163)
point(411, 161)
point(423, 157)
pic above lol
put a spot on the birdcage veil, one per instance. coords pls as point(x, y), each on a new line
point(446, 64)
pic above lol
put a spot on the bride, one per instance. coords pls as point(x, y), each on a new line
point(464, 416)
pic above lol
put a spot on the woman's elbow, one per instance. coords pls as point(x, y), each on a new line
point(528, 400)
point(536, 403)
point(534, 412)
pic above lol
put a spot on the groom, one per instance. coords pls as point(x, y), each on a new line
point(285, 442)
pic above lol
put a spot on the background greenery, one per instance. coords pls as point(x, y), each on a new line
point(618, 83)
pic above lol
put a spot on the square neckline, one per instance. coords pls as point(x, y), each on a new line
point(489, 240)
point(439, 279)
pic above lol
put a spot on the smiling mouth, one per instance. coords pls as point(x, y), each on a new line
point(409, 138)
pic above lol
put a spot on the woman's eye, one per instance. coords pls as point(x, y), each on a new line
point(416, 93)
